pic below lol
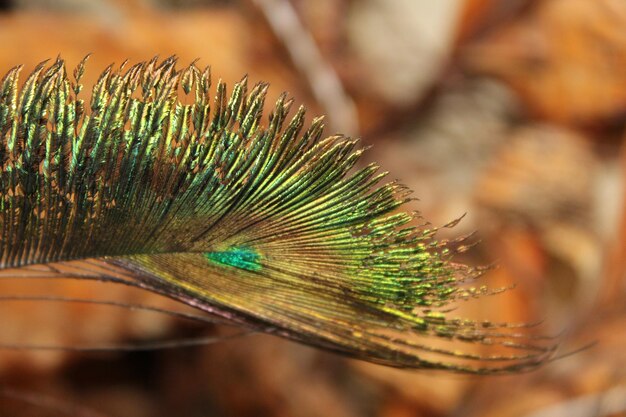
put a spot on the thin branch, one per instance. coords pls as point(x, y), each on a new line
point(323, 80)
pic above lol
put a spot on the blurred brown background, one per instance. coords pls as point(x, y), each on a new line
point(510, 110)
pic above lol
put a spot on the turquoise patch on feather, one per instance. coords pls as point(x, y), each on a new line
point(242, 258)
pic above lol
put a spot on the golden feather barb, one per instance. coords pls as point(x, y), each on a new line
point(267, 226)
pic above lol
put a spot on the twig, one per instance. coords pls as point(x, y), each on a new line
point(323, 80)
point(612, 289)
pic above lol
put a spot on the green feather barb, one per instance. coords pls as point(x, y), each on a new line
point(264, 222)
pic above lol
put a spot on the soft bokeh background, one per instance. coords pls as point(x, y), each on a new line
point(512, 111)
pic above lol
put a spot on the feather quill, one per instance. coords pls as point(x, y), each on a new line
point(164, 184)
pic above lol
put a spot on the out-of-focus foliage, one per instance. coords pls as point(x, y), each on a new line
point(512, 111)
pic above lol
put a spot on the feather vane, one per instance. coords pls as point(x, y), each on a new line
point(270, 225)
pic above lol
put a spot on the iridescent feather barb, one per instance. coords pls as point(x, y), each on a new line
point(163, 184)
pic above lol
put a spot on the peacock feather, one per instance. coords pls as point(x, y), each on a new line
point(160, 183)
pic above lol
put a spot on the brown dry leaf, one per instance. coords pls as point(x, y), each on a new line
point(536, 199)
point(402, 46)
point(267, 376)
point(435, 392)
point(565, 59)
point(542, 173)
point(480, 15)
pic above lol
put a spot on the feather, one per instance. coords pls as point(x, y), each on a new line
point(268, 225)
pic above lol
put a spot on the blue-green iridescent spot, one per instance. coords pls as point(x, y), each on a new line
point(242, 258)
